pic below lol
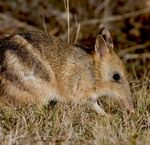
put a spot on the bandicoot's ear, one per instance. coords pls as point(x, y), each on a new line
point(107, 36)
point(101, 46)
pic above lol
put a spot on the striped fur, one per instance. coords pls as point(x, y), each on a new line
point(37, 68)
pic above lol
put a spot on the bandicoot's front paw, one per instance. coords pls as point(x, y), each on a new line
point(101, 113)
point(98, 109)
point(104, 114)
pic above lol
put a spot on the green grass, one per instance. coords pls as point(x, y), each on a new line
point(68, 124)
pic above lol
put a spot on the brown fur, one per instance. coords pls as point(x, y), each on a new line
point(36, 67)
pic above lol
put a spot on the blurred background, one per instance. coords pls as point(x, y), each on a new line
point(127, 20)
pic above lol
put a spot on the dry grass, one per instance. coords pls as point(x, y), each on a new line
point(68, 124)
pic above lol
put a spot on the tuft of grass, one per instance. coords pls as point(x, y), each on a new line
point(66, 3)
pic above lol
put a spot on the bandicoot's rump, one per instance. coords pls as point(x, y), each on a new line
point(37, 68)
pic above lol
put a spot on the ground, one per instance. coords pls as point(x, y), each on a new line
point(129, 24)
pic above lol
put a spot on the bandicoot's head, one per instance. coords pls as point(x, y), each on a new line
point(114, 81)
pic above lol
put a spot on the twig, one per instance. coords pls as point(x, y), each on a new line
point(136, 56)
point(107, 11)
point(44, 23)
point(66, 2)
point(99, 8)
point(78, 30)
point(136, 47)
point(77, 34)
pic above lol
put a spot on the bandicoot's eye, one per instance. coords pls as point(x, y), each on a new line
point(117, 77)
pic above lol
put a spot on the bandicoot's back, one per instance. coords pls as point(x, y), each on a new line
point(36, 67)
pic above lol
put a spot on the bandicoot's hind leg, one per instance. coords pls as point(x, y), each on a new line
point(31, 92)
point(27, 81)
point(25, 86)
